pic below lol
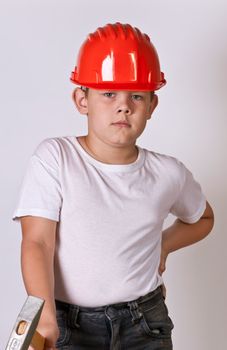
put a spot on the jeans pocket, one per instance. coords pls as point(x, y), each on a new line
point(156, 322)
point(64, 329)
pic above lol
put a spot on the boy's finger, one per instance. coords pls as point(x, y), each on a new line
point(162, 267)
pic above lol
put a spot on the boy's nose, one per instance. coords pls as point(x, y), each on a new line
point(124, 105)
point(123, 110)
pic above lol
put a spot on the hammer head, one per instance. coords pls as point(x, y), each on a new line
point(26, 324)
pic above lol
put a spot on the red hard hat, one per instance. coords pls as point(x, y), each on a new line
point(118, 56)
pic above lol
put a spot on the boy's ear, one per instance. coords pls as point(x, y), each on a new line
point(153, 105)
point(80, 100)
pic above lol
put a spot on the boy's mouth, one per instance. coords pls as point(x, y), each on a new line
point(121, 123)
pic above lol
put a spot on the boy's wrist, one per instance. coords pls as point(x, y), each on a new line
point(49, 312)
point(48, 317)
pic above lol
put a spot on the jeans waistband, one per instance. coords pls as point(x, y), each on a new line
point(152, 297)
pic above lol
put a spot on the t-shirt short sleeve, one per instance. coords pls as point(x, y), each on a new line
point(40, 192)
point(190, 203)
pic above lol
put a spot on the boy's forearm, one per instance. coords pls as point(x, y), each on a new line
point(181, 234)
point(38, 275)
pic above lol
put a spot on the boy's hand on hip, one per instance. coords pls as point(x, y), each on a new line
point(162, 268)
point(162, 264)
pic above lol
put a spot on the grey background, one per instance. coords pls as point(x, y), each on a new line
point(39, 44)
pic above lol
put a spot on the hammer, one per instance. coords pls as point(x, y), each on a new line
point(24, 331)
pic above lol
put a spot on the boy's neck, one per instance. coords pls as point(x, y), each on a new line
point(109, 154)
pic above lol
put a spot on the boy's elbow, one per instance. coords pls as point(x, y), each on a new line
point(208, 216)
point(208, 213)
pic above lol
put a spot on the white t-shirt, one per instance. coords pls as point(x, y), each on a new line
point(110, 217)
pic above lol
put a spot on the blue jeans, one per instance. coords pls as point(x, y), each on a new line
point(141, 324)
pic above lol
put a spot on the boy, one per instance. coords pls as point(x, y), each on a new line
point(92, 207)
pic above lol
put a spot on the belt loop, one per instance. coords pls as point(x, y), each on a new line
point(135, 312)
point(73, 316)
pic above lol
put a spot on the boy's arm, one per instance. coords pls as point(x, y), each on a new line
point(37, 261)
point(181, 234)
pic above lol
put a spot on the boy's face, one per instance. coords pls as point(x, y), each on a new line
point(115, 117)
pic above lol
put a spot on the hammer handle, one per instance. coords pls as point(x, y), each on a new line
point(38, 341)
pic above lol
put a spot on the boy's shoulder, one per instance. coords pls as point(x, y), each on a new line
point(162, 158)
point(50, 149)
point(51, 144)
point(165, 164)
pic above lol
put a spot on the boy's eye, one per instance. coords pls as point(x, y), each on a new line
point(109, 94)
point(137, 97)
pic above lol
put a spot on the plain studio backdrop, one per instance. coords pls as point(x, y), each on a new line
point(39, 45)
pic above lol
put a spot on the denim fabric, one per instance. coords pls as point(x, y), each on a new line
point(142, 324)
